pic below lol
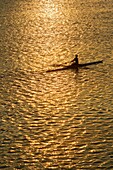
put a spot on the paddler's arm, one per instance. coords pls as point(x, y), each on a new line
point(73, 60)
point(70, 61)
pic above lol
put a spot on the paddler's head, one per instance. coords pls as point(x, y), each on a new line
point(76, 56)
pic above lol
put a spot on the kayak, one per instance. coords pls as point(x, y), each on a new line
point(74, 66)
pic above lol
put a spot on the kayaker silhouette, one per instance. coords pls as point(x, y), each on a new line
point(75, 60)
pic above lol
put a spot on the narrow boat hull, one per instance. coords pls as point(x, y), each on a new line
point(73, 66)
point(91, 63)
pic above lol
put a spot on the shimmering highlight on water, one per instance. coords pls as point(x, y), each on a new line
point(57, 120)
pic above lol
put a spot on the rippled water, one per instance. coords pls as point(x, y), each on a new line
point(58, 120)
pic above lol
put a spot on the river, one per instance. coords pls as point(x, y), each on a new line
point(63, 119)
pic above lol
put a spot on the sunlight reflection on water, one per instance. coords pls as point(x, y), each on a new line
point(57, 120)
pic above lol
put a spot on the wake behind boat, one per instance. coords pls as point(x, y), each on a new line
point(76, 66)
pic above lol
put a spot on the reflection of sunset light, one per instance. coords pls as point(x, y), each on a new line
point(50, 9)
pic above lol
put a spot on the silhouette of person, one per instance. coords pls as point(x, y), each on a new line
point(75, 60)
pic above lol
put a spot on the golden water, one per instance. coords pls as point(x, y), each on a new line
point(58, 120)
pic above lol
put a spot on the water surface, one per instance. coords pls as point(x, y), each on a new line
point(57, 120)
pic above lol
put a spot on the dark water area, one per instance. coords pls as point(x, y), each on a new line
point(56, 120)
